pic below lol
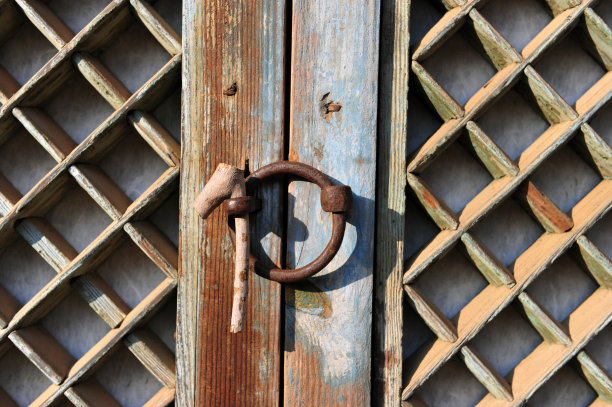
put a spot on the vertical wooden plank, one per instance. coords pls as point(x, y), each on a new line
point(328, 319)
point(239, 44)
point(394, 69)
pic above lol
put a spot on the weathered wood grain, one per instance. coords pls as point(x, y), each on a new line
point(549, 329)
point(46, 131)
point(490, 267)
point(597, 377)
point(559, 6)
point(39, 346)
point(594, 150)
point(44, 351)
point(394, 66)
point(156, 136)
point(164, 397)
point(90, 394)
point(597, 263)
point(552, 105)
point(96, 355)
point(586, 321)
point(486, 374)
point(160, 29)
point(494, 158)
point(439, 211)
point(226, 43)
point(498, 189)
point(153, 354)
point(496, 86)
point(491, 300)
point(601, 36)
point(500, 52)
point(342, 144)
point(431, 314)
point(155, 245)
point(47, 22)
point(543, 209)
point(561, 340)
point(446, 106)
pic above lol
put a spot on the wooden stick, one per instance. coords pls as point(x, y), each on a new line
point(228, 182)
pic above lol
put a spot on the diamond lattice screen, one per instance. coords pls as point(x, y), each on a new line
point(508, 276)
point(89, 157)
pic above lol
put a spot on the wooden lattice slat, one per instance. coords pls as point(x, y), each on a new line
point(512, 179)
point(23, 216)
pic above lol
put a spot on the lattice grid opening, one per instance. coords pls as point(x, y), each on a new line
point(508, 276)
point(89, 157)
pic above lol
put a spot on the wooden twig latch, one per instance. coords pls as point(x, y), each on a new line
point(228, 182)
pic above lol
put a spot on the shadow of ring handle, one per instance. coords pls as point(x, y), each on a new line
point(336, 199)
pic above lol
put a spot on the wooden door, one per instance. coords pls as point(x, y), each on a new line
point(89, 156)
point(266, 81)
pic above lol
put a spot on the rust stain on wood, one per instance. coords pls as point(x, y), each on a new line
point(231, 45)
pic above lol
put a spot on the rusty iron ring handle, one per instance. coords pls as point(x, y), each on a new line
point(334, 198)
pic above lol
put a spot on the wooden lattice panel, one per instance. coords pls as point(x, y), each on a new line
point(517, 167)
point(92, 164)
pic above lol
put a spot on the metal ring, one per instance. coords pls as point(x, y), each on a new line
point(338, 221)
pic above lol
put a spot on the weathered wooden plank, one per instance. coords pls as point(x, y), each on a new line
point(47, 22)
point(394, 68)
point(554, 108)
point(441, 214)
point(431, 314)
point(58, 253)
point(486, 374)
point(44, 351)
point(160, 29)
point(101, 188)
point(490, 267)
point(446, 106)
point(107, 84)
point(494, 158)
point(597, 263)
point(156, 136)
point(597, 377)
point(594, 150)
point(544, 210)
point(90, 394)
point(442, 30)
point(155, 245)
point(342, 144)
point(559, 6)
point(235, 44)
point(92, 256)
point(164, 397)
point(496, 86)
point(46, 131)
point(497, 48)
point(549, 329)
point(601, 35)
point(153, 354)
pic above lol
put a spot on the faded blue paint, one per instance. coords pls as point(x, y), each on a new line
point(335, 51)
